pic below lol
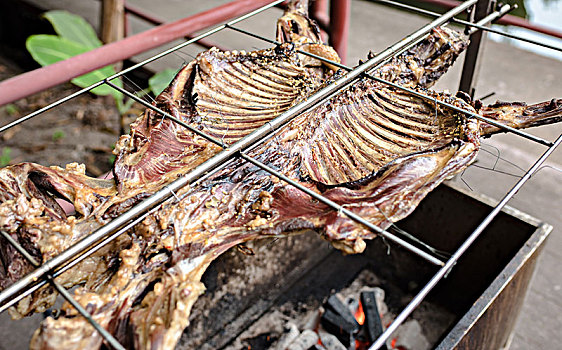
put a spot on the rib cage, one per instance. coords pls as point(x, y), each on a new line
point(236, 93)
point(369, 125)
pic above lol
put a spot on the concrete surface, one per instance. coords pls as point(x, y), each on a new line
point(513, 74)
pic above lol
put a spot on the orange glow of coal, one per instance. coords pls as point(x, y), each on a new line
point(359, 314)
point(393, 343)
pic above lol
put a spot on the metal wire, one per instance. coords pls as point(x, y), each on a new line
point(103, 332)
point(477, 25)
point(78, 259)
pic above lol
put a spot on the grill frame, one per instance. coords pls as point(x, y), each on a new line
point(47, 272)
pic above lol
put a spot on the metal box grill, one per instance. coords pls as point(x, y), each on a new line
point(484, 291)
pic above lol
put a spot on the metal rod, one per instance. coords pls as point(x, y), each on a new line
point(414, 92)
point(19, 248)
point(46, 108)
point(466, 244)
point(42, 78)
point(516, 37)
point(347, 212)
point(74, 262)
point(471, 64)
point(339, 26)
point(104, 333)
point(490, 18)
point(507, 20)
point(167, 115)
point(155, 20)
point(516, 21)
point(319, 12)
point(220, 158)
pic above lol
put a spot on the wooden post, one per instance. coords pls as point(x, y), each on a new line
point(112, 22)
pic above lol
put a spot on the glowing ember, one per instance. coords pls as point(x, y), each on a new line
point(359, 314)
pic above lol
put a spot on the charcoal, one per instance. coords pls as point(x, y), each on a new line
point(373, 324)
point(339, 327)
point(335, 304)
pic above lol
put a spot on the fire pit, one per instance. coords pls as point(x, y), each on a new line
point(476, 306)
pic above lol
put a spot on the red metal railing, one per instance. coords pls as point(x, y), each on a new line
point(43, 78)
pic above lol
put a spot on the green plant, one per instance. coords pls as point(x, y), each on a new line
point(58, 135)
point(11, 109)
point(5, 158)
point(76, 36)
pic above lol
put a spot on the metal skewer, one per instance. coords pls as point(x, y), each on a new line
point(103, 332)
point(254, 138)
point(480, 25)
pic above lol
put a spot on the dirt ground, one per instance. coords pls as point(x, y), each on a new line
point(82, 130)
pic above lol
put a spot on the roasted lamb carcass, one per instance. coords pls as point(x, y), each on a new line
point(373, 148)
point(224, 94)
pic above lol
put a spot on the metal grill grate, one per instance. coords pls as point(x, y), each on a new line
point(48, 271)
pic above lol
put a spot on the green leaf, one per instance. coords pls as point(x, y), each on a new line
point(5, 158)
point(48, 49)
point(11, 109)
point(159, 81)
point(73, 28)
point(58, 135)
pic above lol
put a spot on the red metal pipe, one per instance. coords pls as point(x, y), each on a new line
point(150, 18)
point(319, 11)
point(506, 20)
point(43, 78)
point(339, 26)
point(523, 23)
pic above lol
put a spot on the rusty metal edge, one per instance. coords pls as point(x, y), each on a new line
point(528, 253)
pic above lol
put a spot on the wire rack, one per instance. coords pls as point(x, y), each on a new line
point(47, 272)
